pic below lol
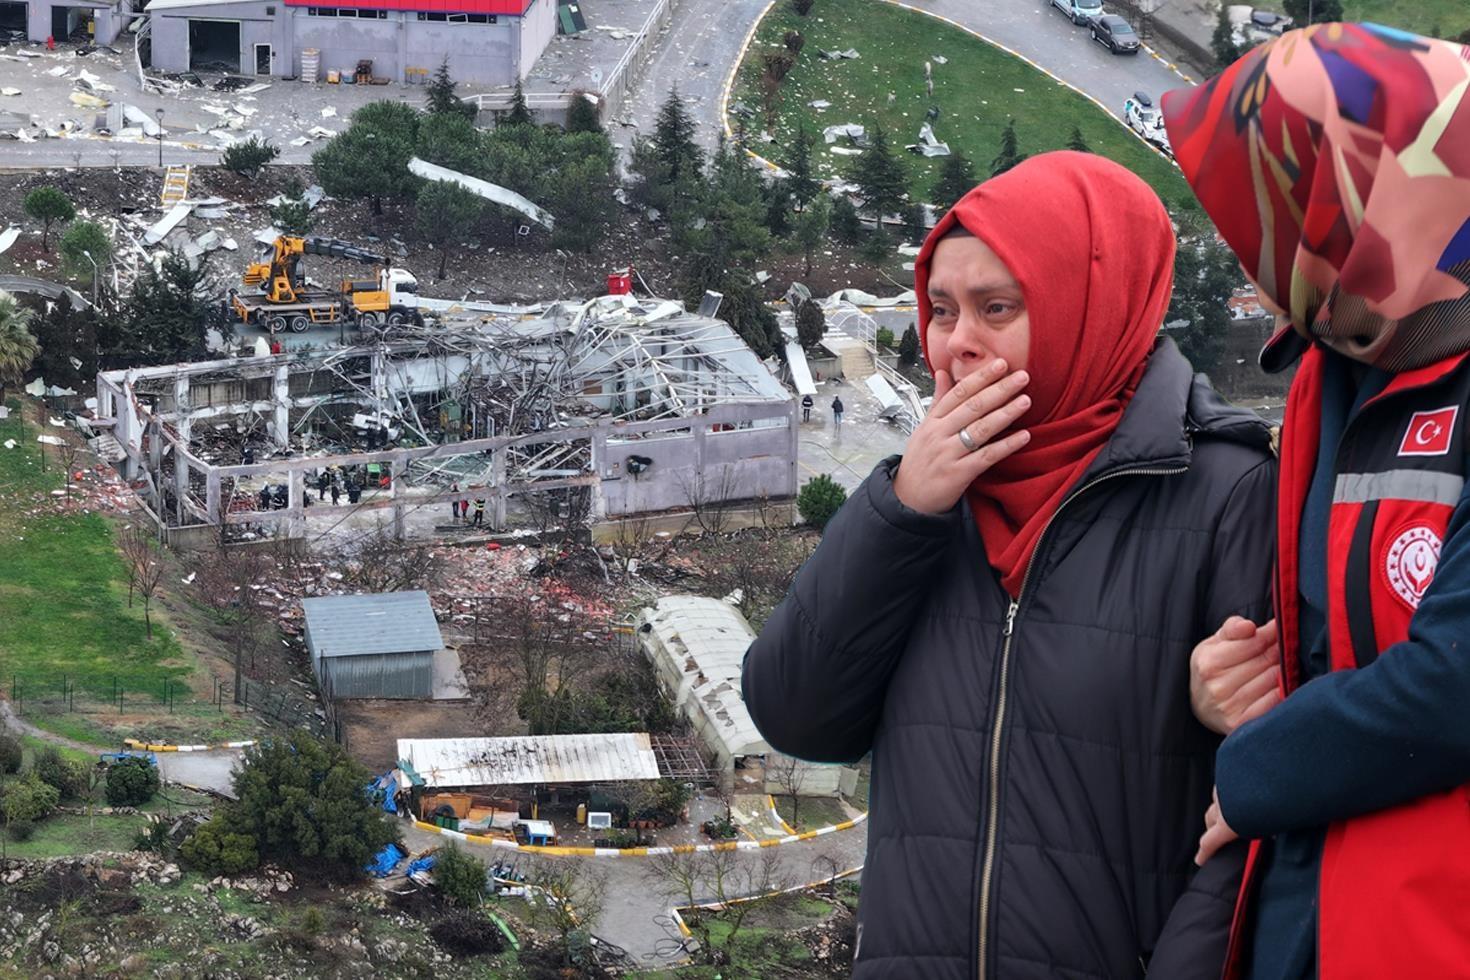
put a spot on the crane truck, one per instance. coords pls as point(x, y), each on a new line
point(279, 300)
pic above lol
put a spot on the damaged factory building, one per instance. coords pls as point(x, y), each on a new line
point(590, 413)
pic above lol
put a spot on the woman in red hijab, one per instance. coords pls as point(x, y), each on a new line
point(1005, 615)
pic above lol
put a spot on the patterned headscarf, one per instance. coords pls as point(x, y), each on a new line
point(1335, 161)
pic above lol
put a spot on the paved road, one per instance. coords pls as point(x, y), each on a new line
point(1042, 33)
point(704, 40)
point(201, 770)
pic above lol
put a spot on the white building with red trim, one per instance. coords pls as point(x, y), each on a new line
point(487, 42)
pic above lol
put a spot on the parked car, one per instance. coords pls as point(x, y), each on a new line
point(1144, 119)
point(1080, 11)
point(1250, 26)
point(1115, 33)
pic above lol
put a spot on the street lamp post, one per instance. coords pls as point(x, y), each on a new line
point(95, 272)
point(159, 112)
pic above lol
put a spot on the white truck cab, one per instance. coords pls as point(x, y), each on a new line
point(1080, 11)
point(402, 288)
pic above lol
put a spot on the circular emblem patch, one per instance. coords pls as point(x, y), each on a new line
point(1411, 561)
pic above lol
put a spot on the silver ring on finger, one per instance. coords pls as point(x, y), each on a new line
point(968, 441)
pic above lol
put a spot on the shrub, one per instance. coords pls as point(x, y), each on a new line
point(794, 42)
point(69, 778)
point(21, 830)
point(10, 753)
point(885, 338)
point(217, 848)
point(847, 226)
point(248, 157)
point(876, 247)
point(312, 921)
point(27, 798)
point(131, 782)
point(82, 245)
point(811, 324)
point(819, 500)
point(460, 875)
point(802, 7)
point(777, 65)
point(467, 934)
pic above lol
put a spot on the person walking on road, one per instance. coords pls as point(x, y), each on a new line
point(479, 511)
point(836, 410)
point(1077, 512)
point(806, 408)
point(336, 492)
point(454, 502)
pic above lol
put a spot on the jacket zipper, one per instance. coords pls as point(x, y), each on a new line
point(992, 818)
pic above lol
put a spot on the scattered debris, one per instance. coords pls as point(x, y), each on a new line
point(820, 104)
point(854, 133)
point(9, 91)
point(329, 111)
point(167, 223)
point(849, 54)
point(928, 145)
point(7, 238)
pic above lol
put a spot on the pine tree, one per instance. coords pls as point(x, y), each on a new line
point(908, 347)
point(48, 205)
point(673, 139)
point(956, 179)
point(1010, 152)
point(446, 213)
point(1076, 142)
point(811, 228)
point(442, 100)
point(877, 247)
point(880, 176)
point(520, 113)
point(583, 115)
point(1321, 11)
point(1222, 42)
point(811, 324)
point(847, 227)
point(799, 177)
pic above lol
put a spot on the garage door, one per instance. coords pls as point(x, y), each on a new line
point(214, 45)
point(12, 21)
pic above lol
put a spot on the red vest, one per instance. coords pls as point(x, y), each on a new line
point(1394, 894)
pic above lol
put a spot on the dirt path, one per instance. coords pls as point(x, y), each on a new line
point(9, 719)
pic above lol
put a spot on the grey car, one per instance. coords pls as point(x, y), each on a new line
point(1115, 33)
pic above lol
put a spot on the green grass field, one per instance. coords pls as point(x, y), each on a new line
point(977, 90)
point(1447, 17)
point(814, 813)
point(68, 833)
point(63, 591)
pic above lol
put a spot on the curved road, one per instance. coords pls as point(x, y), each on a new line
point(706, 37)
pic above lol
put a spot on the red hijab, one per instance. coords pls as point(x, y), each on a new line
point(1092, 249)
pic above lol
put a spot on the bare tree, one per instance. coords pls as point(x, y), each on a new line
point(568, 898)
point(227, 580)
point(789, 774)
point(150, 577)
point(67, 452)
point(382, 564)
point(708, 496)
point(760, 567)
point(728, 884)
point(136, 547)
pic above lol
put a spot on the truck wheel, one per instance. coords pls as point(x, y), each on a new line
point(276, 324)
point(396, 318)
point(368, 321)
point(299, 323)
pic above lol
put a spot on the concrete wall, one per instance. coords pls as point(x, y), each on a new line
point(343, 41)
point(537, 28)
point(482, 54)
point(171, 33)
point(740, 465)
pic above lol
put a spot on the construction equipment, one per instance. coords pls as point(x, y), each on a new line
point(283, 302)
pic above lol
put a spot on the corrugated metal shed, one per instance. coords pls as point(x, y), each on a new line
point(530, 759)
point(697, 647)
point(387, 622)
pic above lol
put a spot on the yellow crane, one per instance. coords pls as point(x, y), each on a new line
point(279, 300)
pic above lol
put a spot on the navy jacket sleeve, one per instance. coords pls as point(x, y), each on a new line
point(1356, 741)
point(1194, 940)
point(815, 678)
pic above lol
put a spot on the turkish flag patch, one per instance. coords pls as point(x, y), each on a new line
point(1429, 433)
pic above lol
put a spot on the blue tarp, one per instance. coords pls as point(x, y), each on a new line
point(425, 863)
point(382, 790)
point(385, 861)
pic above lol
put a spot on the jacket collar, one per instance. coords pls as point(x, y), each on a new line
point(1172, 406)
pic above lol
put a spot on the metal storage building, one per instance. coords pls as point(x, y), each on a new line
point(373, 646)
point(697, 646)
point(487, 42)
point(103, 20)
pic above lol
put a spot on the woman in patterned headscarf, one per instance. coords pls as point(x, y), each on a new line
point(1335, 161)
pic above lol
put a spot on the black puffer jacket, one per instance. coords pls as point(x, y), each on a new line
point(1067, 750)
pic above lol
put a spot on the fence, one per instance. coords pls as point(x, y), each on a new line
point(272, 701)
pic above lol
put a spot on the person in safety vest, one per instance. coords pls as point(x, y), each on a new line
point(1335, 161)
